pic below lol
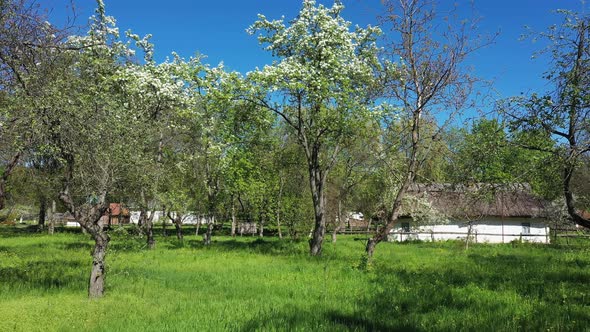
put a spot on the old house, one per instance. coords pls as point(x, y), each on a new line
point(116, 215)
point(482, 212)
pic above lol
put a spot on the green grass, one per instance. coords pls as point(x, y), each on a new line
point(252, 284)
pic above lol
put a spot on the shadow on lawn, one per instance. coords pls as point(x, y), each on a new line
point(54, 274)
point(31, 230)
point(500, 293)
point(285, 247)
point(294, 319)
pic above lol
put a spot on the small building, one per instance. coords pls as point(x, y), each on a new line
point(356, 221)
point(482, 212)
point(116, 215)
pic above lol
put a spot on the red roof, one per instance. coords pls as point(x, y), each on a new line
point(115, 209)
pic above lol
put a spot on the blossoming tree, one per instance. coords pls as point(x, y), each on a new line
point(320, 86)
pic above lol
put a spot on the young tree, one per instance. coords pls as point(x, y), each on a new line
point(432, 80)
point(564, 111)
point(320, 87)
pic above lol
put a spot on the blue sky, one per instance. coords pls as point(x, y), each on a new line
point(217, 30)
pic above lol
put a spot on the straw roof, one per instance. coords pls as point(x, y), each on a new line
point(478, 200)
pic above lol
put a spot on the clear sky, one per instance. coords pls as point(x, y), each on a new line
point(217, 30)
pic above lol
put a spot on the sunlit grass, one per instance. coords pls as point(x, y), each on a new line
point(268, 284)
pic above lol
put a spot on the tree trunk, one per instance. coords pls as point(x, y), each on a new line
point(89, 216)
point(149, 230)
point(177, 222)
point(42, 211)
point(569, 197)
point(97, 274)
point(4, 178)
point(468, 236)
point(198, 226)
point(317, 181)
point(151, 242)
point(340, 222)
point(164, 230)
point(282, 183)
point(208, 234)
point(261, 230)
point(382, 233)
point(141, 222)
point(178, 225)
point(233, 218)
point(279, 223)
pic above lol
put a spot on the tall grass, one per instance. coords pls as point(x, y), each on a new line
point(266, 284)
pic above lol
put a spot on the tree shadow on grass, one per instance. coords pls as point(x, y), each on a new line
point(295, 319)
point(488, 292)
point(45, 275)
point(18, 231)
point(30, 230)
point(258, 246)
point(262, 246)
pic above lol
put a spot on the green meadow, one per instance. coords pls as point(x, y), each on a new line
point(249, 284)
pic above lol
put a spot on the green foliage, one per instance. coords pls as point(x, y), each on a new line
point(488, 154)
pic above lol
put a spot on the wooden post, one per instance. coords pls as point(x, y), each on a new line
point(502, 230)
point(475, 236)
point(432, 235)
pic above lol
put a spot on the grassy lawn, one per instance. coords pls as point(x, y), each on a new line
point(249, 284)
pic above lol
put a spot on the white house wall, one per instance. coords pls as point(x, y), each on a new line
point(488, 230)
point(189, 219)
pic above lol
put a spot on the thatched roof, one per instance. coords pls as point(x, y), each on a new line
point(478, 200)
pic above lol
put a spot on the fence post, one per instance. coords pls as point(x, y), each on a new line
point(476, 236)
point(432, 235)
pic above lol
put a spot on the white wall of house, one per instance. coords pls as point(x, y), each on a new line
point(189, 219)
point(486, 230)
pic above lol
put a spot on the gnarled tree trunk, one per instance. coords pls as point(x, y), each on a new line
point(177, 221)
point(89, 216)
point(97, 274)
